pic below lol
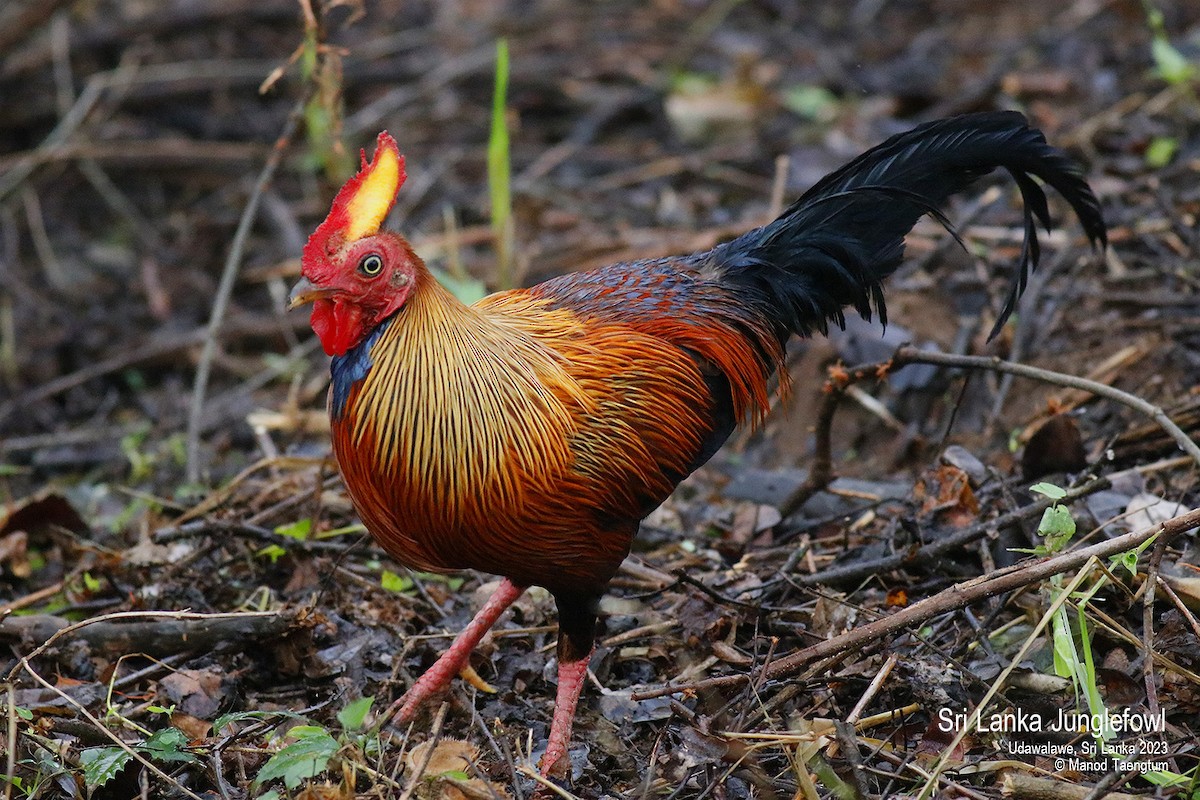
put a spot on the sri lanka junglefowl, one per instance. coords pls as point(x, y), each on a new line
point(527, 435)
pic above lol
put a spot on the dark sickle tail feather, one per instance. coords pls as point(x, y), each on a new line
point(833, 247)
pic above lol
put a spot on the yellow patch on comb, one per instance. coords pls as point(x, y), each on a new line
point(376, 191)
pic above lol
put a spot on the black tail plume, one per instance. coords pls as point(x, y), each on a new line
point(833, 247)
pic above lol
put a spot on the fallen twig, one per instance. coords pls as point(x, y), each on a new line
point(820, 470)
point(943, 544)
point(1027, 787)
point(1148, 587)
point(953, 598)
point(435, 734)
point(545, 787)
point(25, 20)
point(152, 632)
point(911, 355)
point(158, 346)
point(145, 762)
point(257, 533)
point(225, 287)
point(842, 378)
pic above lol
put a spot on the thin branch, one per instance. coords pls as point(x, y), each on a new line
point(943, 544)
point(1148, 624)
point(145, 762)
point(840, 379)
point(820, 469)
point(435, 734)
point(24, 21)
point(106, 621)
point(951, 599)
point(159, 345)
point(1028, 787)
point(911, 355)
point(93, 90)
point(225, 288)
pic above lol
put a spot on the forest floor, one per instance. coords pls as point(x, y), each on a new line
point(188, 607)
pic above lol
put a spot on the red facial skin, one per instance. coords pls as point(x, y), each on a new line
point(352, 302)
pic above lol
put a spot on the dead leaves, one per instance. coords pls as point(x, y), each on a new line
point(946, 495)
point(446, 770)
point(196, 692)
point(37, 519)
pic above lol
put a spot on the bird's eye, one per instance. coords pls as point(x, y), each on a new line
point(371, 265)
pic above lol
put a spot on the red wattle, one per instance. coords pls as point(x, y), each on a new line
point(337, 325)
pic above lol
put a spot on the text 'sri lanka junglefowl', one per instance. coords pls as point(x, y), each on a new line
point(528, 435)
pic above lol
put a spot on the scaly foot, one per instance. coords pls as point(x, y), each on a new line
point(452, 662)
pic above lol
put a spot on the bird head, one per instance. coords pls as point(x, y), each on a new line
point(354, 274)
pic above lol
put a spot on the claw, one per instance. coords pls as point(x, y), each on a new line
point(472, 677)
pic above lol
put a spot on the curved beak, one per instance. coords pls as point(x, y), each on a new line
point(305, 292)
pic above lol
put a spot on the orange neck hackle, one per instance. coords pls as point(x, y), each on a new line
point(462, 402)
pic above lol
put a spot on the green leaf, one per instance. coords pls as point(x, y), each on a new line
point(1066, 657)
point(1160, 151)
point(357, 527)
point(1170, 64)
point(1161, 778)
point(354, 714)
point(811, 102)
point(23, 713)
point(168, 745)
point(395, 583)
point(296, 530)
point(1128, 560)
point(1088, 680)
point(685, 82)
point(500, 171)
point(452, 582)
point(90, 582)
point(306, 757)
point(1057, 526)
point(1049, 490)
point(101, 764)
point(273, 552)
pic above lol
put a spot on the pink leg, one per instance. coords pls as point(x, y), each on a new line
point(452, 661)
point(556, 762)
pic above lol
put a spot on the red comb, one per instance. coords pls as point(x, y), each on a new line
point(363, 202)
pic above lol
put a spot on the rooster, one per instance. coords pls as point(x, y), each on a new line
point(527, 435)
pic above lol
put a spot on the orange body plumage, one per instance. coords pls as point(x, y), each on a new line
point(524, 438)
